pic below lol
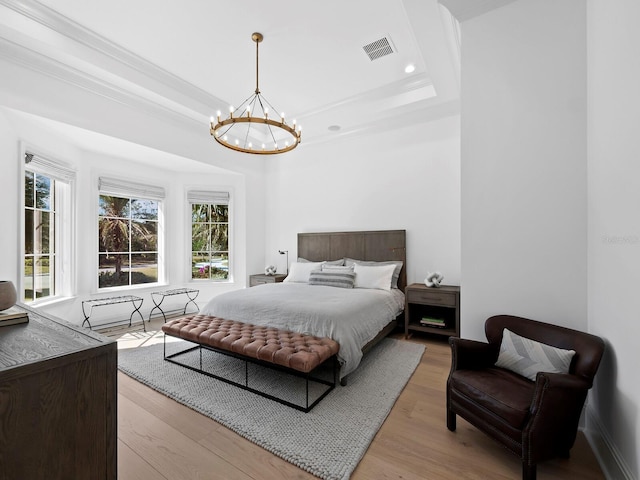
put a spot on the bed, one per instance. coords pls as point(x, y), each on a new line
point(356, 318)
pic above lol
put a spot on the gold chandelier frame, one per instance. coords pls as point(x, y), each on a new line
point(280, 137)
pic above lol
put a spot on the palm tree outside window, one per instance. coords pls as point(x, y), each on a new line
point(128, 241)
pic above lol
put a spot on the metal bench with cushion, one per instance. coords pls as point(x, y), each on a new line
point(295, 353)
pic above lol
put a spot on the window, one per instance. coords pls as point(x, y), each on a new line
point(209, 235)
point(48, 229)
point(128, 226)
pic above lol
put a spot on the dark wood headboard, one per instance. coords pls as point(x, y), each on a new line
point(373, 245)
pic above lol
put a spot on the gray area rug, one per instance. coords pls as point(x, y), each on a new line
point(328, 442)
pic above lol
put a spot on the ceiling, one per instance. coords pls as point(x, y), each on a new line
point(188, 59)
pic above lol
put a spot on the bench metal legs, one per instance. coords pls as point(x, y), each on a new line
point(245, 386)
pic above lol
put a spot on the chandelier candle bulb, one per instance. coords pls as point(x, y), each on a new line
point(218, 113)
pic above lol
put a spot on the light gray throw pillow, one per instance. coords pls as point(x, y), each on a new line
point(527, 357)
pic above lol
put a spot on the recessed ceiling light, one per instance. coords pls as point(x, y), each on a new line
point(410, 68)
point(334, 128)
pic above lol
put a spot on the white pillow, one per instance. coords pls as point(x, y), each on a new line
point(396, 272)
point(299, 272)
point(378, 277)
point(527, 357)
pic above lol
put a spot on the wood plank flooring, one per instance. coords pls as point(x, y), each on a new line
point(159, 438)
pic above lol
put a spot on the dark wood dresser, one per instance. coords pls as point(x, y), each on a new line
point(58, 401)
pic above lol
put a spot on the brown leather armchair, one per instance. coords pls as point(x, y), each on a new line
point(534, 420)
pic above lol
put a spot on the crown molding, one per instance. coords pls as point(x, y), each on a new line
point(37, 62)
point(152, 73)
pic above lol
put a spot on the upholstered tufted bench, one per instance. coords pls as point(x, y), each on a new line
point(296, 353)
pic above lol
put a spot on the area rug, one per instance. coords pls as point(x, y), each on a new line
point(328, 442)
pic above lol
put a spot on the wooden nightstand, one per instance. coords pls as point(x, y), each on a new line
point(441, 303)
point(260, 278)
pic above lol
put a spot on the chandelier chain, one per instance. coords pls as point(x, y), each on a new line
point(257, 70)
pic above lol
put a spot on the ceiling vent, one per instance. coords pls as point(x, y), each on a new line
point(379, 48)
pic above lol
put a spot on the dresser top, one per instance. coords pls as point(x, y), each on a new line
point(44, 337)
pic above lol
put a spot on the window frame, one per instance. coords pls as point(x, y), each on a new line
point(63, 177)
point(219, 196)
point(109, 186)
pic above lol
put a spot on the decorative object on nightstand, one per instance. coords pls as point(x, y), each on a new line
point(270, 270)
point(283, 252)
point(262, 278)
point(433, 311)
point(433, 279)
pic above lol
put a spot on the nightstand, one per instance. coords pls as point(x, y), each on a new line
point(260, 278)
point(437, 308)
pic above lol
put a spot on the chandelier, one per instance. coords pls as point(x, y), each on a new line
point(250, 129)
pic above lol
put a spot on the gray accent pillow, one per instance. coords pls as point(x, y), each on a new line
point(341, 279)
point(370, 263)
point(527, 357)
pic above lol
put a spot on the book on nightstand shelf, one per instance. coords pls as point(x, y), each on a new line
point(433, 322)
point(13, 316)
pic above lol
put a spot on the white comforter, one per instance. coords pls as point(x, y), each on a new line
point(350, 316)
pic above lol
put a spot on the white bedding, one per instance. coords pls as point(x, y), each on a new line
point(350, 316)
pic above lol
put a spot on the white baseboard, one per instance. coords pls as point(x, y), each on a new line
point(613, 465)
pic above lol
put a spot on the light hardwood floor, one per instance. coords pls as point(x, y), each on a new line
point(159, 438)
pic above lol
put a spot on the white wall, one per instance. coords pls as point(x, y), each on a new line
point(400, 179)
point(524, 219)
point(614, 230)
